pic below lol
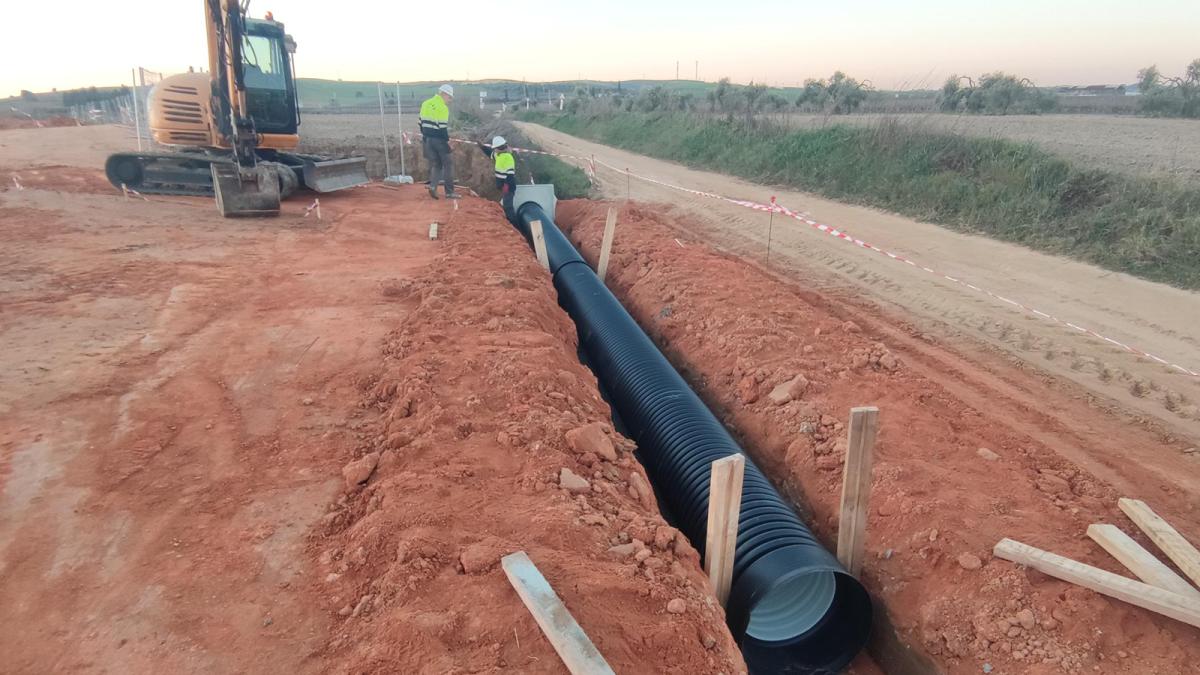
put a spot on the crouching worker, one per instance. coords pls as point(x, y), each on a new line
point(505, 173)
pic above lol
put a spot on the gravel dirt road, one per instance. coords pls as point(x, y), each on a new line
point(1158, 319)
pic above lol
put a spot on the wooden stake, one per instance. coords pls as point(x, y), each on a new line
point(433, 228)
point(856, 488)
point(610, 229)
point(539, 243)
point(1164, 536)
point(1139, 561)
point(577, 652)
point(1116, 586)
point(724, 508)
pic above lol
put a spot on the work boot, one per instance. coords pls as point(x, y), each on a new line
point(433, 191)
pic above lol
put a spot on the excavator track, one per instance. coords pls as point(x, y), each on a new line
point(180, 173)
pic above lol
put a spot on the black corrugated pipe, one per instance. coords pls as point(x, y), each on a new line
point(792, 607)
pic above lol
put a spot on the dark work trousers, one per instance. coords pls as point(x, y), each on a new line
point(441, 164)
point(507, 202)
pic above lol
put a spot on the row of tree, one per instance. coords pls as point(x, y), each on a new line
point(994, 94)
point(839, 94)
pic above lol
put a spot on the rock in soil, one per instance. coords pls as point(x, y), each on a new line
point(591, 438)
point(572, 482)
point(969, 561)
point(359, 471)
point(677, 606)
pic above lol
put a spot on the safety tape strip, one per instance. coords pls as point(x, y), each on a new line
point(845, 236)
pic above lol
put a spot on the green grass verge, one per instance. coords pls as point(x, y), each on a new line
point(1003, 189)
point(570, 182)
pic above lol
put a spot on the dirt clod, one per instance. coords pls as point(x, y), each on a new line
point(591, 438)
point(677, 606)
point(573, 482)
point(359, 471)
point(969, 561)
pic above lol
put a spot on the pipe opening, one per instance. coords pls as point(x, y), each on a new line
point(792, 607)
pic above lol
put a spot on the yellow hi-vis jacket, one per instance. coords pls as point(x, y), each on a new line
point(506, 169)
point(435, 118)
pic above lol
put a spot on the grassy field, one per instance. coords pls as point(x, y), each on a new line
point(1141, 146)
point(1004, 189)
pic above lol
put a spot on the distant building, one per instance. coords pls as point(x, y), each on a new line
point(1094, 90)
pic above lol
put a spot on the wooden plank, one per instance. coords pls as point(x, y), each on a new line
point(577, 652)
point(856, 488)
point(724, 509)
point(1138, 560)
point(1182, 553)
point(1116, 586)
point(610, 229)
point(539, 243)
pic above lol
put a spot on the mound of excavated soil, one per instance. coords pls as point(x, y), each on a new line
point(492, 438)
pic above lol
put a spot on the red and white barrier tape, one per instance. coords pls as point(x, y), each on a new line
point(592, 162)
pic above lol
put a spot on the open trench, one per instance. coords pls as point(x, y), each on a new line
point(736, 331)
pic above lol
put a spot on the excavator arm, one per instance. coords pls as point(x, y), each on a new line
point(245, 187)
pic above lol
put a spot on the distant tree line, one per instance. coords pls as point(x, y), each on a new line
point(994, 94)
point(1164, 96)
point(838, 95)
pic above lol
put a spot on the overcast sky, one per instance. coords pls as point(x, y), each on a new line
point(893, 44)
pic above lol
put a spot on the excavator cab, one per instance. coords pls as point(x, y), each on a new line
point(265, 75)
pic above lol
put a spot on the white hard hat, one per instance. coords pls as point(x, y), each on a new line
point(447, 90)
point(498, 141)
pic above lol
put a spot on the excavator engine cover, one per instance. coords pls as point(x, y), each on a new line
point(250, 191)
point(335, 174)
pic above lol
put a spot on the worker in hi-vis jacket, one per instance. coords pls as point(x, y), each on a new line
point(505, 172)
point(435, 130)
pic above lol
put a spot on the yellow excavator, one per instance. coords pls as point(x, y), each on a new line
point(234, 130)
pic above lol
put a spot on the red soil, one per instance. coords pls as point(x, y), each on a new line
point(969, 452)
point(179, 396)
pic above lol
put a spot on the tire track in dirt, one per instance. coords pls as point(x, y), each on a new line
point(1157, 318)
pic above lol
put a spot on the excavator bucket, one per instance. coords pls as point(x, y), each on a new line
point(335, 174)
point(246, 192)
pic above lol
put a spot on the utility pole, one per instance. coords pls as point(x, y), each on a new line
point(676, 70)
point(697, 70)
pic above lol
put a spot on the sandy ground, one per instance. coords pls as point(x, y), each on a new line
point(291, 445)
point(1153, 317)
point(969, 451)
point(1136, 145)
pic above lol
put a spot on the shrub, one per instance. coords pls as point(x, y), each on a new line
point(1170, 96)
point(995, 94)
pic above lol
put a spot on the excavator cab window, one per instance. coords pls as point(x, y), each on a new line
point(263, 63)
point(270, 89)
